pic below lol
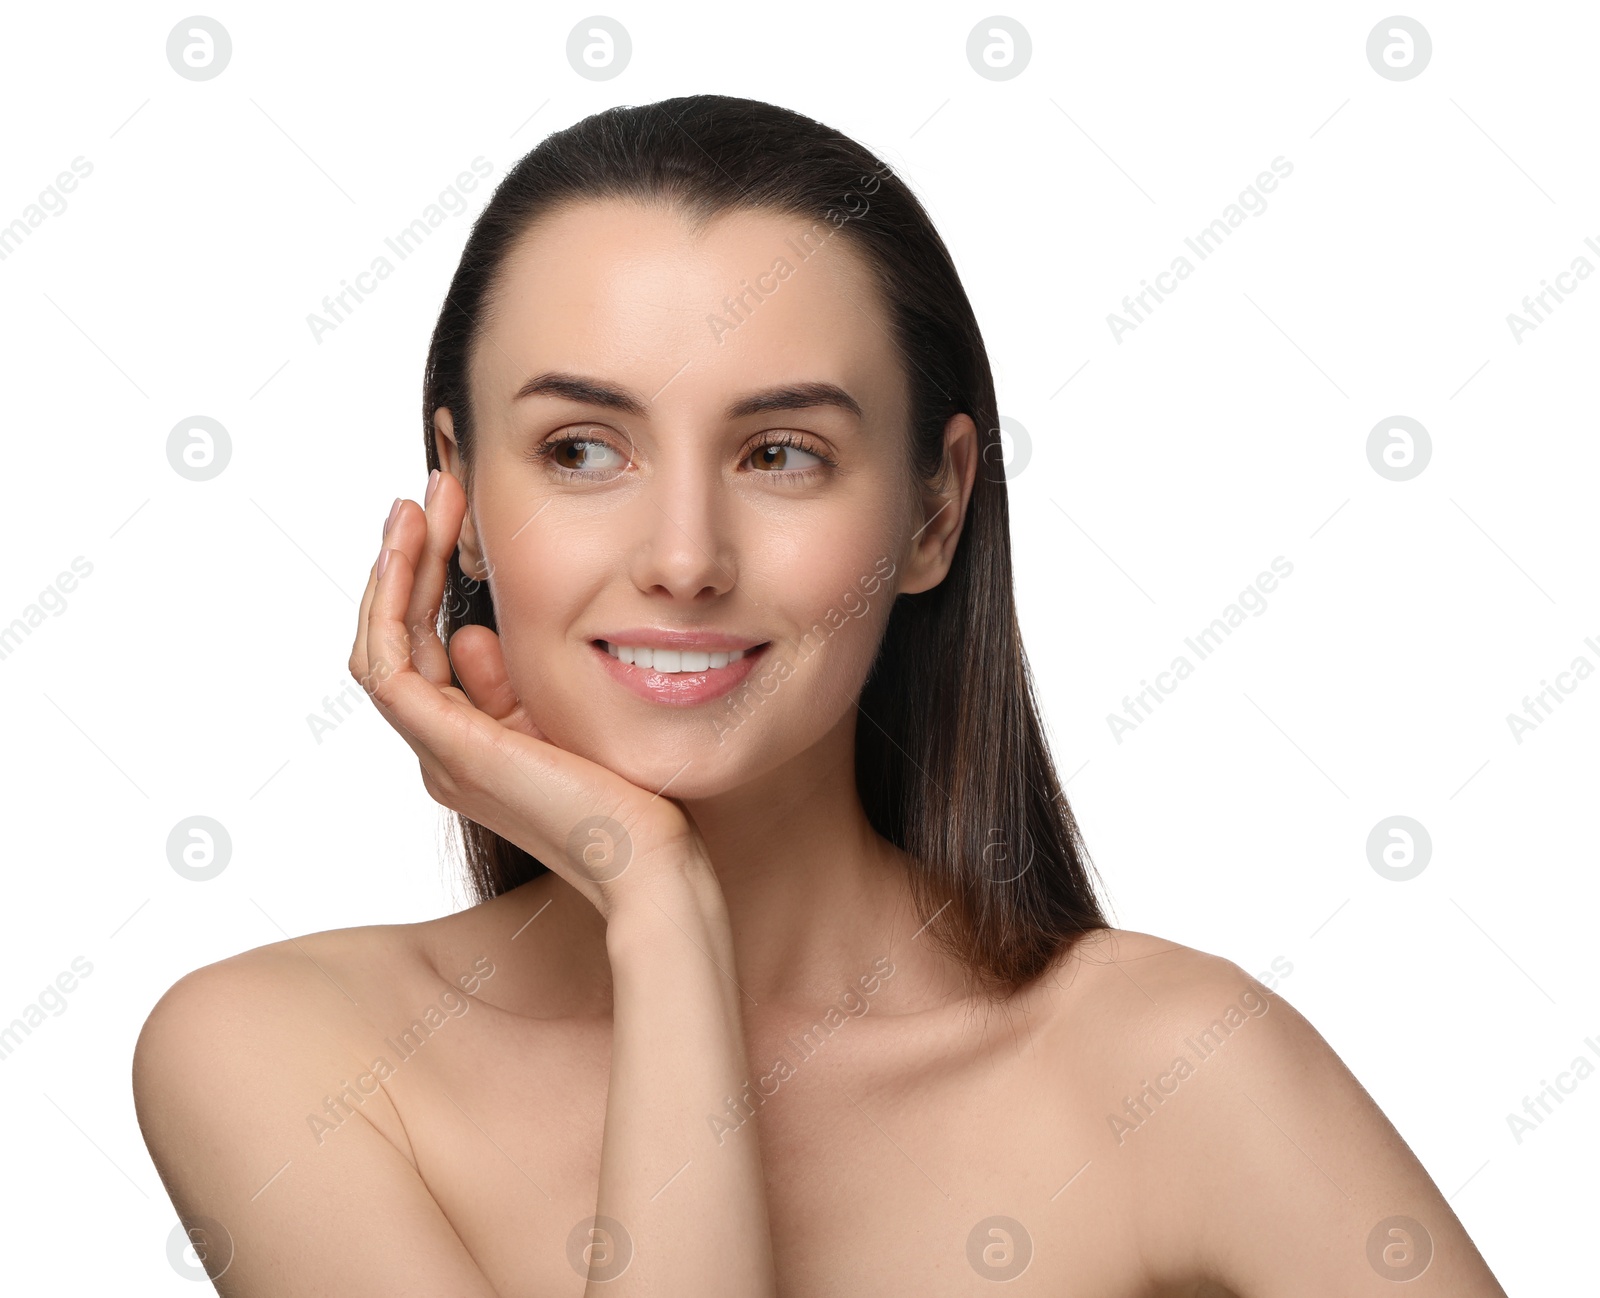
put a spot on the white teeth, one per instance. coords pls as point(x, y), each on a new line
point(673, 660)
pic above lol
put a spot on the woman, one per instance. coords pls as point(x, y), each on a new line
point(787, 973)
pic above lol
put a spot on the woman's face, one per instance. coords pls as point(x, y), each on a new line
point(691, 435)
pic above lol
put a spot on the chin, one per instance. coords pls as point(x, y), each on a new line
point(712, 769)
point(688, 764)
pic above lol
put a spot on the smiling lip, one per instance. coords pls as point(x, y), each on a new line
point(678, 689)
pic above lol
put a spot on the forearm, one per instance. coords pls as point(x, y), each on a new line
point(695, 1211)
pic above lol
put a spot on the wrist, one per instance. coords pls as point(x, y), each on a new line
point(670, 901)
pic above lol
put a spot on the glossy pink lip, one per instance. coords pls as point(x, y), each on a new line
point(678, 689)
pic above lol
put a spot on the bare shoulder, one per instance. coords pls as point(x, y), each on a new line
point(1139, 962)
point(305, 989)
point(323, 986)
point(237, 1078)
point(1256, 1161)
point(1121, 990)
point(313, 1004)
point(269, 1031)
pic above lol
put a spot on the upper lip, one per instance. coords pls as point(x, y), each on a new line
point(644, 637)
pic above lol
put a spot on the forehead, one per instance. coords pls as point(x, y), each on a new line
point(634, 292)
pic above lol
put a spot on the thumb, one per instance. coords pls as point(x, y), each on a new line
point(481, 667)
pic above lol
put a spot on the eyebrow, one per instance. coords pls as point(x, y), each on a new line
point(593, 392)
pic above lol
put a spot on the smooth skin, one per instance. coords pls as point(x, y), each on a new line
point(578, 1045)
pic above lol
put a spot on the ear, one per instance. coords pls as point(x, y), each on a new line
point(444, 441)
point(944, 509)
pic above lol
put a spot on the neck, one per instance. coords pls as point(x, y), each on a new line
point(815, 895)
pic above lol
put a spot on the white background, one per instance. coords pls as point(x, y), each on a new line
point(1167, 469)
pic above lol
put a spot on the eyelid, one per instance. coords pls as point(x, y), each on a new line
point(791, 438)
point(543, 452)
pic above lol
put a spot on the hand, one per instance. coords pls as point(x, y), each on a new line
point(481, 753)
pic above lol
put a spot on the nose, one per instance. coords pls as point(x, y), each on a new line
point(685, 547)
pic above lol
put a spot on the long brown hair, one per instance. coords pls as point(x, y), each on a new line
point(951, 760)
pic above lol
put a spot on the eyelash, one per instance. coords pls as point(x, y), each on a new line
point(545, 452)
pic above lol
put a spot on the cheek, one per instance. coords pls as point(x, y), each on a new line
point(547, 564)
point(841, 614)
point(543, 585)
point(830, 582)
point(531, 598)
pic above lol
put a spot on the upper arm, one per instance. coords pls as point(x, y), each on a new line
point(1276, 1164)
point(228, 1073)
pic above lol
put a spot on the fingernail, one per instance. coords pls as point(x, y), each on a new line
point(393, 510)
point(383, 560)
point(433, 481)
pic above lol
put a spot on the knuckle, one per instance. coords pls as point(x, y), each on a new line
point(445, 791)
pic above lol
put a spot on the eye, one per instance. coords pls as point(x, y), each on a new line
point(593, 459)
point(778, 451)
point(580, 457)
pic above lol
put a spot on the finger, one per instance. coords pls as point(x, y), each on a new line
point(451, 738)
point(407, 535)
point(419, 711)
point(388, 637)
point(481, 666)
point(443, 511)
point(358, 650)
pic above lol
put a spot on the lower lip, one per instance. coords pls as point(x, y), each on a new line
point(679, 689)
